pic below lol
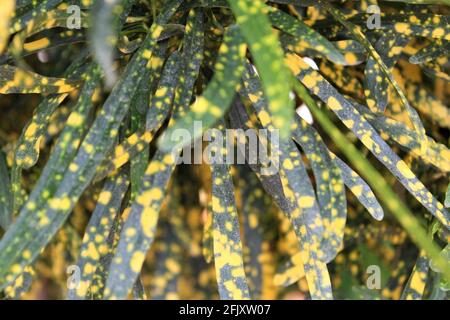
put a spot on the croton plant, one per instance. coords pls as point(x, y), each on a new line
point(102, 99)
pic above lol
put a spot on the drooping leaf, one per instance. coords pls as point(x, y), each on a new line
point(266, 50)
point(214, 101)
point(353, 120)
point(16, 80)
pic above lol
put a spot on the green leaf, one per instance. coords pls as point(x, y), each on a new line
point(431, 52)
point(98, 231)
point(16, 80)
point(5, 195)
point(415, 286)
point(389, 198)
point(6, 13)
point(217, 97)
point(360, 189)
point(53, 205)
point(20, 244)
point(139, 230)
point(251, 16)
point(292, 191)
point(355, 122)
point(227, 244)
point(447, 197)
point(389, 46)
point(308, 36)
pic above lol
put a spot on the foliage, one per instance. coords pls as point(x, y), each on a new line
point(88, 163)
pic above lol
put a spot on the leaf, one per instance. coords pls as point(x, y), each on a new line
point(415, 286)
point(62, 197)
point(20, 235)
point(15, 80)
point(251, 16)
point(447, 197)
point(307, 36)
point(356, 32)
point(216, 98)
point(6, 12)
point(20, 22)
point(140, 227)
point(436, 154)
point(160, 106)
point(389, 46)
point(360, 189)
point(228, 259)
point(98, 231)
point(257, 216)
point(431, 52)
point(355, 122)
point(40, 22)
point(295, 197)
point(5, 195)
point(329, 186)
point(389, 198)
point(333, 220)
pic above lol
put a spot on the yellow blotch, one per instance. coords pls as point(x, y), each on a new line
point(200, 105)
point(287, 164)
point(357, 190)
point(148, 196)
point(136, 261)
point(173, 266)
point(75, 119)
point(306, 201)
point(31, 130)
point(217, 207)
point(149, 219)
point(334, 104)
point(60, 204)
point(438, 33)
point(401, 27)
point(36, 45)
point(264, 117)
point(404, 170)
point(104, 197)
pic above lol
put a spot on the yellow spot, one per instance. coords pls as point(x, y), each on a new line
point(334, 104)
point(36, 45)
point(401, 27)
point(148, 196)
point(104, 197)
point(264, 117)
point(75, 119)
point(306, 201)
point(287, 164)
point(438, 32)
point(404, 170)
point(357, 190)
point(200, 105)
point(173, 266)
point(217, 207)
point(136, 261)
point(60, 204)
point(149, 219)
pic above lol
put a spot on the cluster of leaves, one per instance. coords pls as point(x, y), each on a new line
point(90, 180)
